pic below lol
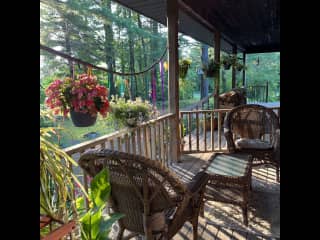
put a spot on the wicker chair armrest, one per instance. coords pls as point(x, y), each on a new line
point(198, 182)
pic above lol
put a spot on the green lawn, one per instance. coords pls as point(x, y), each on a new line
point(71, 135)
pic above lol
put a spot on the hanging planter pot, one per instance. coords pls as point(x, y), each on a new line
point(80, 119)
point(183, 70)
point(183, 67)
point(212, 68)
point(226, 66)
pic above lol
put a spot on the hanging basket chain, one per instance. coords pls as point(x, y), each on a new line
point(79, 61)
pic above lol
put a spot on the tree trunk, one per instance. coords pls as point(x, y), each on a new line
point(154, 51)
point(68, 46)
point(143, 57)
point(131, 61)
point(109, 49)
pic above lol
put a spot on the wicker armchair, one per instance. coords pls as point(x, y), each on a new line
point(254, 129)
point(153, 200)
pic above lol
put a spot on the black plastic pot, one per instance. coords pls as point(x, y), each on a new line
point(226, 66)
point(80, 119)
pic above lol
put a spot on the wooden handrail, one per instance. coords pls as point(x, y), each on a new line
point(61, 232)
point(194, 126)
point(92, 143)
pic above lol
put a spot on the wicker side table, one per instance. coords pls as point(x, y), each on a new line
point(230, 180)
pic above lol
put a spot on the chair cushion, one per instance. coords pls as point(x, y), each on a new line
point(247, 143)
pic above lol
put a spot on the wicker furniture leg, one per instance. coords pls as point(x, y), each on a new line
point(195, 229)
point(120, 234)
point(245, 205)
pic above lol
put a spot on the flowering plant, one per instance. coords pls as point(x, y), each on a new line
point(131, 113)
point(83, 95)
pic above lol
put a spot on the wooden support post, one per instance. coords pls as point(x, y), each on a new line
point(173, 88)
point(244, 71)
point(217, 74)
point(234, 70)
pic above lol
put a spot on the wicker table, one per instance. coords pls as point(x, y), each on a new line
point(230, 180)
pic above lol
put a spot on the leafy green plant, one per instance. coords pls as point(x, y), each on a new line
point(56, 178)
point(211, 68)
point(228, 60)
point(239, 66)
point(184, 65)
point(131, 113)
point(96, 225)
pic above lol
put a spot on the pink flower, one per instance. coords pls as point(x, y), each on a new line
point(83, 94)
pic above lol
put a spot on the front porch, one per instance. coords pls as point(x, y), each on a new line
point(224, 221)
point(221, 221)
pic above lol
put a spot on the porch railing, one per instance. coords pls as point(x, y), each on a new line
point(202, 130)
point(151, 139)
point(258, 93)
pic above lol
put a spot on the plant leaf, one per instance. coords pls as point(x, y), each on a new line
point(100, 188)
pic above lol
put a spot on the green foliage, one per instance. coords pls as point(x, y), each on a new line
point(56, 178)
point(184, 65)
point(228, 60)
point(95, 224)
point(211, 68)
point(130, 113)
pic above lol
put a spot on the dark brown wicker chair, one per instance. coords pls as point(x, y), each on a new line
point(152, 198)
point(254, 129)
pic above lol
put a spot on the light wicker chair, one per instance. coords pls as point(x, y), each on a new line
point(254, 129)
point(154, 201)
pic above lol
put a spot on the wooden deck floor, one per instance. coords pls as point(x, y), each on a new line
point(264, 178)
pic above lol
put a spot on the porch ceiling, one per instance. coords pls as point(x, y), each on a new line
point(254, 26)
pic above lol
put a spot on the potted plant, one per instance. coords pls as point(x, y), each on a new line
point(83, 97)
point(239, 66)
point(228, 61)
point(57, 181)
point(211, 68)
point(131, 113)
point(184, 65)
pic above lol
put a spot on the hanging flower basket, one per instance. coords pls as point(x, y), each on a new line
point(212, 68)
point(226, 66)
point(80, 119)
point(131, 113)
point(83, 97)
point(184, 67)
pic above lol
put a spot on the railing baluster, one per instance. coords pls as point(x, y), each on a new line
point(148, 142)
point(205, 130)
point(126, 143)
point(145, 139)
point(158, 146)
point(219, 130)
point(162, 157)
point(212, 130)
point(111, 144)
point(153, 138)
point(167, 137)
point(139, 141)
point(181, 126)
point(133, 142)
point(119, 144)
point(189, 131)
point(197, 129)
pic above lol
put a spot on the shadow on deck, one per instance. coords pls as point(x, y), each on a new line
point(224, 221)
